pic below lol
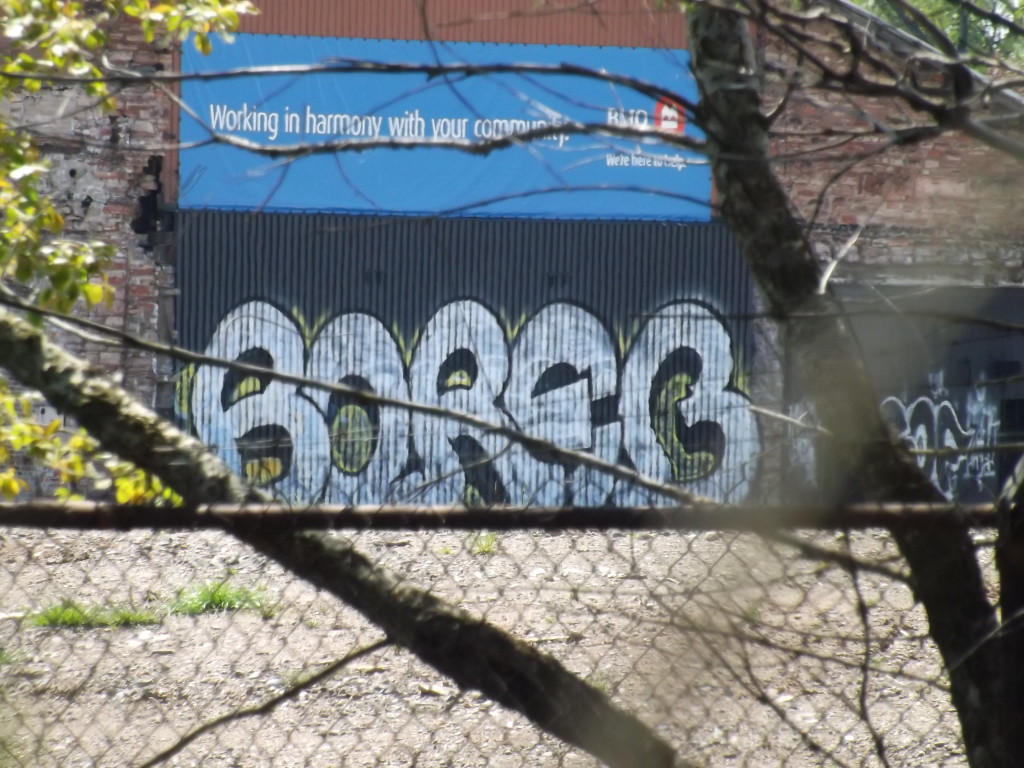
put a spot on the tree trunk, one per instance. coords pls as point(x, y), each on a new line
point(470, 651)
point(1010, 640)
point(946, 575)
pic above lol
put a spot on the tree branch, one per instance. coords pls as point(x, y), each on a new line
point(470, 651)
point(266, 707)
point(946, 575)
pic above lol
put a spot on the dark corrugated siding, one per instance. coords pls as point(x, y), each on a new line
point(324, 264)
point(625, 339)
point(629, 23)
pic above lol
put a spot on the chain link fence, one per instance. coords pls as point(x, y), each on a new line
point(187, 648)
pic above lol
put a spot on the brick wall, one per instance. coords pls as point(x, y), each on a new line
point(940, 211)
point(104, 178)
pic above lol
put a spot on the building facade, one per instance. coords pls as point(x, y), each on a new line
point(607, 319)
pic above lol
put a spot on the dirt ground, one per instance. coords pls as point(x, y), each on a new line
point(736, 651)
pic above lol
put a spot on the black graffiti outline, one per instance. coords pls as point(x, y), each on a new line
point(511, 339)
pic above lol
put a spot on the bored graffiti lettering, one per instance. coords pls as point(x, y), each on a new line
point(665, 404)
point(932, 425)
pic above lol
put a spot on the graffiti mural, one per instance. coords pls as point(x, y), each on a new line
point(933, 424)
point(947, 364)
point(668, 409)
point(949, 434)
point(628, 341)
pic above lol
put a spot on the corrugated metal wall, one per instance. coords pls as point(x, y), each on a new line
point(405, 267)
point(626, 339)
point(631, 23)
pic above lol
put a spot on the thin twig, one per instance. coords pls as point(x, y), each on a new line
point(864, 613)
point(266, 707)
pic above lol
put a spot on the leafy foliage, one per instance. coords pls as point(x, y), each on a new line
point(73, 456)
point(44, 40)
point(972, 28)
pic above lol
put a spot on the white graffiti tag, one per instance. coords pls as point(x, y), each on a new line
point(562, 389)
point(460, 364)
point(368, 443)
point(681, 422)
point(265, 430)
point(669, 409)
point(927, 424)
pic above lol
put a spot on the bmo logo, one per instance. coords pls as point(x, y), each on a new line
point(669, 117)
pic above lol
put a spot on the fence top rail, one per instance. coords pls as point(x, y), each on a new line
point(84, 515)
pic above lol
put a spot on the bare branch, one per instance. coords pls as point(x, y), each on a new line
point(341, 66)
point(947, 579)
point(266, 707)
point(474, 653)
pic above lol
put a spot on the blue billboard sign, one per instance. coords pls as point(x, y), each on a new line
point(560, 175)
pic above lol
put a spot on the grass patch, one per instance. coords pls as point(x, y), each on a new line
point(219, 596)
point(214, 597)
point(68, 614)
point(484, 543)
point(129, 616)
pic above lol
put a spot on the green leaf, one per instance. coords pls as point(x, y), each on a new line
point(94, 294)
point(26, 170)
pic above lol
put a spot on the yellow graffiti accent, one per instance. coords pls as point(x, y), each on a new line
point(250, 385)
point(472, 498)
point(625, 337)
point(513, 327)
point(403, 352)
point(318, 325)
point(352, 439)
point(397, 336)
point(183, 396)
point(685, 466)
point(458, 380)
point(404, 349)
point(308, 331)
point(300, 321)
point(305, 330)
point(741, 378)
point(263, 470)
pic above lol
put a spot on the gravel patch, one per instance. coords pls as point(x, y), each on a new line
point(733, 649)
